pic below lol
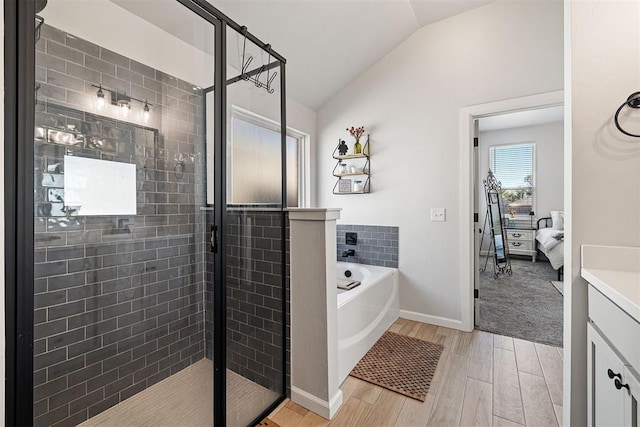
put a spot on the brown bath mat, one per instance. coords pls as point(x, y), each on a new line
point(400, 363)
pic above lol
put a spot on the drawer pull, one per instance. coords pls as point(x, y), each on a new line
point(517, 235)
point(619, 385)
point(516, 243)
point(612, 374)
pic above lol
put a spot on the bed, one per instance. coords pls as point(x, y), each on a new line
point(550, 240)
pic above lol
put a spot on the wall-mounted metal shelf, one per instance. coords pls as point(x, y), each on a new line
point(362, 168)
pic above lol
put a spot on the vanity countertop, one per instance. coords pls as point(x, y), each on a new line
point(615, 272)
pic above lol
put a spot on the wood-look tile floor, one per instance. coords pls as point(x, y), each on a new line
point(482, 379)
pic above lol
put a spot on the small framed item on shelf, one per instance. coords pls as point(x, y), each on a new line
point(344, 186)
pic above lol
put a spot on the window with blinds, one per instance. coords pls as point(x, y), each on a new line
point(514, 166)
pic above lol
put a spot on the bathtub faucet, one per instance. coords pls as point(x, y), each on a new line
point(348, 253)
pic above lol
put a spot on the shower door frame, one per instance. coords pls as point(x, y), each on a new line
point(19, 121)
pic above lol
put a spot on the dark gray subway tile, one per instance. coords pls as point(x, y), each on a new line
point(85, 401)
point(63, 52)
point(67, 396)
point(142, 69)
point(105, 404)
point(114, 58)
point(99, 65)
point(47, 269)
point(50, 298)
point(101, 301)
point(55, 78)
point(52, 417)
point(49, 62)
point(65, 339)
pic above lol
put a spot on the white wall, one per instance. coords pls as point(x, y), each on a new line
point(549, 173)
point(604, 188)
point(410, 102)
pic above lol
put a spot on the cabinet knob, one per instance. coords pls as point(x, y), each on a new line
point(517, 235)
point(613, 375)
point(619, 385)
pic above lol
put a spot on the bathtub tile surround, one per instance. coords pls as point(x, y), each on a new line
point(376, 245)
point(118, 299)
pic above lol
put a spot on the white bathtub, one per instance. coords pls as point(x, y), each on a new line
point(365, 312)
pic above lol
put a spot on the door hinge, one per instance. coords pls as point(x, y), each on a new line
point(475, 217)
point(475, 142)
point(476, 293)
point(214, 239)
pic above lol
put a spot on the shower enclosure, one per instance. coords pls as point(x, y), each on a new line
point(146, 157)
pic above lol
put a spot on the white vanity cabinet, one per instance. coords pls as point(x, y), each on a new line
point(613, 353)
point(631, 405)
point(605, 402)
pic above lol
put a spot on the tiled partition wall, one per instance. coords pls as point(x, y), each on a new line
point(254, 297)
point(377, 245)
point(119, 299)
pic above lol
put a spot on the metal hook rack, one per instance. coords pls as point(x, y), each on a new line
point(249, 76)
point(39, 22)
point(633, 101)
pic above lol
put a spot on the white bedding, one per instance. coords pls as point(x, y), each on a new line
point(551, 247)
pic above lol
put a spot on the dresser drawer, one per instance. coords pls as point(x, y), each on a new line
point(520, 245)
point(513, 235)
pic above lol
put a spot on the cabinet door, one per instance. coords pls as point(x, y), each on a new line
point(605, 403)
point(631, 406)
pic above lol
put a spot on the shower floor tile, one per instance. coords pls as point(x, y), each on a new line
point(186, 399)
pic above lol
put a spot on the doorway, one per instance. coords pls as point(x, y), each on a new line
point(524, 152)
point(468, 219)
point(122, 275)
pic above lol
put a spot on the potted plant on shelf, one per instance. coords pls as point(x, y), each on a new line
point(356, 133)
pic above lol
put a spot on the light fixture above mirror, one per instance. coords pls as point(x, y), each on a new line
point(123, 101)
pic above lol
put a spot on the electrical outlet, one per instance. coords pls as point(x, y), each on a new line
point(438, 214)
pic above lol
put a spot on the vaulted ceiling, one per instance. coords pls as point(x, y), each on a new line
point(328, 43)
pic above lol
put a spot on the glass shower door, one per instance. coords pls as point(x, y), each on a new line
point(255, 229)
point(119, 183)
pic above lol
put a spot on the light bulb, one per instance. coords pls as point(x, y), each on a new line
point(125, 109)
point(146, 114)
point(100, 94)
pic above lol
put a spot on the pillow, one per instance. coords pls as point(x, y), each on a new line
point(549, 238)
point(557, 220)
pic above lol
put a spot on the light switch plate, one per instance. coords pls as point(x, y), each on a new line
point(438, 214)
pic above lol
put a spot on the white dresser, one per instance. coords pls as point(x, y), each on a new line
point(613, 331)
point(522, 241)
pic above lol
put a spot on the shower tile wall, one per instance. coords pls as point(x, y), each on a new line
point(254, 297)
point(377, 245)
point(118, 299)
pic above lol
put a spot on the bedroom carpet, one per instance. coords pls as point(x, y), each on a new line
point(525, 305)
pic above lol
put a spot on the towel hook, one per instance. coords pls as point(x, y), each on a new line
point(633, 101)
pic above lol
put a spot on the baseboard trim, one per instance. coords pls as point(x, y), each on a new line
point(315, 404)
point(432, 320)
